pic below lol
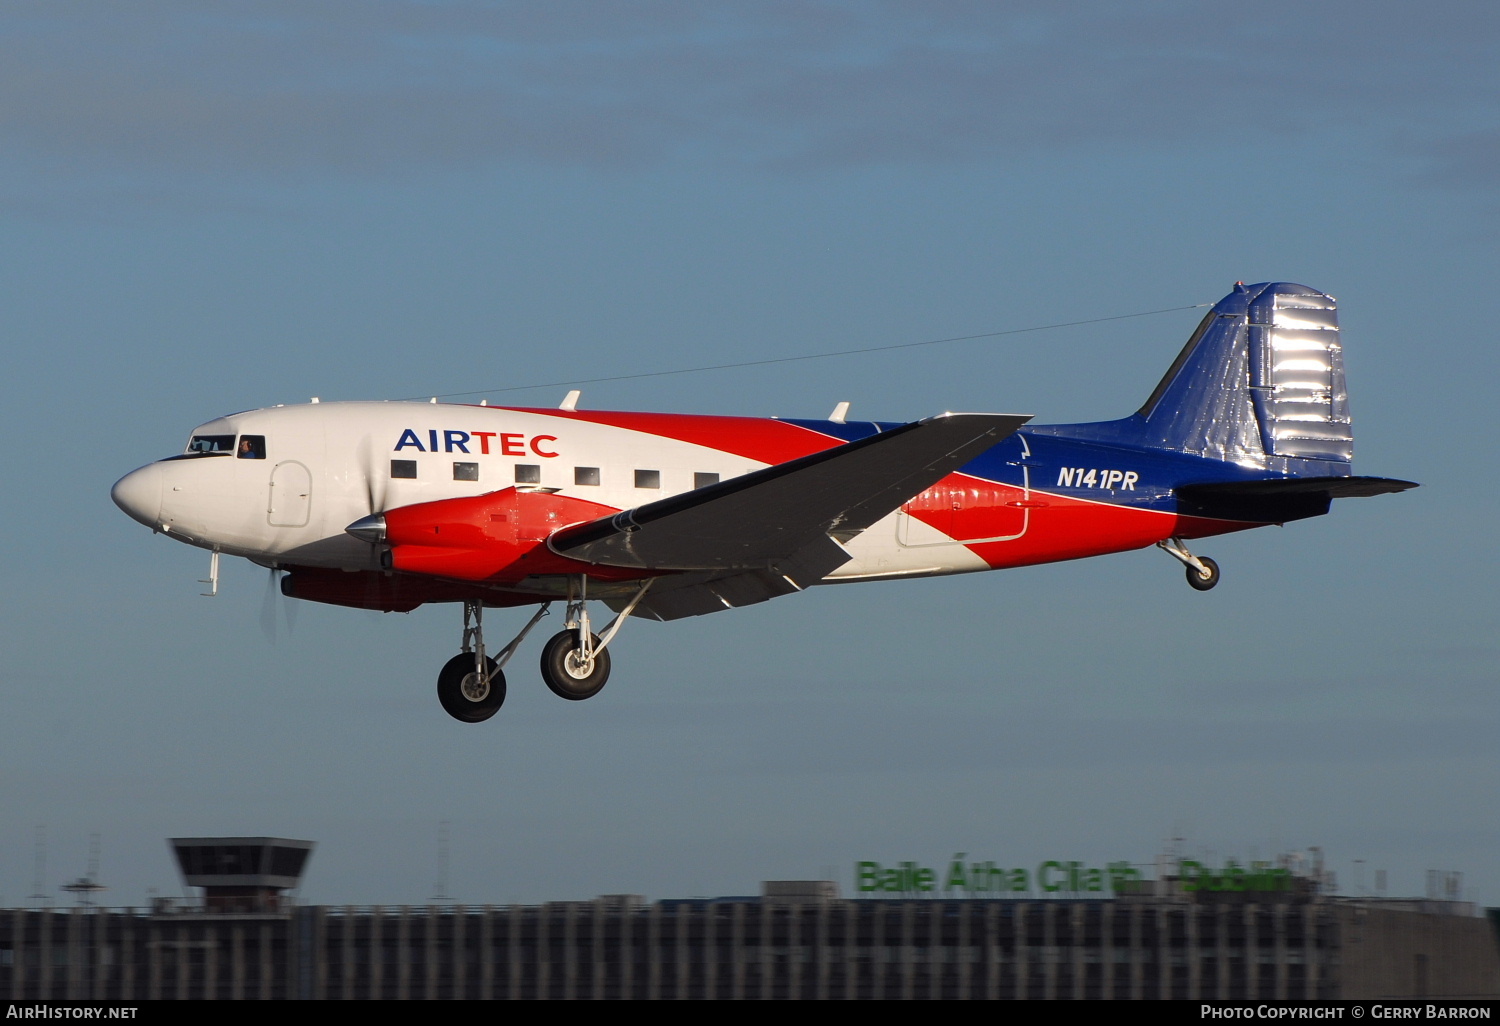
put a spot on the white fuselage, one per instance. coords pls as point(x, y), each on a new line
point(317, 468)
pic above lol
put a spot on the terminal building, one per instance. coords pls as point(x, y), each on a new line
point(1156, 939)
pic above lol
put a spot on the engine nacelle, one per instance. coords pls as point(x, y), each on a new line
point(385, 591)
point(499, 537)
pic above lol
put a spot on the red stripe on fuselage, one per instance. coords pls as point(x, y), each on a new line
point(755, 438)
point(1056, 527)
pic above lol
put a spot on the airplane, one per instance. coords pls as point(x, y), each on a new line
point(390, 505)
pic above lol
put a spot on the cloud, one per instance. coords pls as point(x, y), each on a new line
point(381, 87)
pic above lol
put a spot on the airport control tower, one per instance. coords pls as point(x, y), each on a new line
point(241, 874)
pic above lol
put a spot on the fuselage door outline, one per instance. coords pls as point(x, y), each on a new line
point(912, 537)
point(289, 500)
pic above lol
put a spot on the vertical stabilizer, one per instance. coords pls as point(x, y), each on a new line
point(1260, 383)
point(1202, 404)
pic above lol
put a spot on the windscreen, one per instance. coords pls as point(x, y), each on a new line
point(211, 443)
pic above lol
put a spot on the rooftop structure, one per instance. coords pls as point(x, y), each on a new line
point(241, 874)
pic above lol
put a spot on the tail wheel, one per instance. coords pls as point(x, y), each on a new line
point(1203, 581)
point(465, 695)
point(567, 675)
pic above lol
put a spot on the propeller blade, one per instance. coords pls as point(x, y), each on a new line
point(268, 608)
point(374, 483)
point(289, 610)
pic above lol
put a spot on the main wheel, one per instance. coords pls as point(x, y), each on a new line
point(1201, 581)
point(566, 676)
point(467, 697)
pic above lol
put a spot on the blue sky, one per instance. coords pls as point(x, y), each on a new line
point(211, 209)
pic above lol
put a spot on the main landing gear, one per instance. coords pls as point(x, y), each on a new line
point(1202, 572)
point(471, 687)
point(575, 662)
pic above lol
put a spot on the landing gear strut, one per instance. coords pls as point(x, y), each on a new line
point(575, 664)
point(471, 686)
point(1202, 572)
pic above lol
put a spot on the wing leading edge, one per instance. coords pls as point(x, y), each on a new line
point(778, 530)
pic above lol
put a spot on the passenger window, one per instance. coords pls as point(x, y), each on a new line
point(466, 472)
point(211, 443)
point(528, 473)
point(586, 475)
point(252, 447)
point(704, 480)
point(648, 479)
point(403, 468)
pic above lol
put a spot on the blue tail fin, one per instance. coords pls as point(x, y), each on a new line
point(1260, 383)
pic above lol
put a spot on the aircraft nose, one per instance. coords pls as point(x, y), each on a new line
point(138, 493)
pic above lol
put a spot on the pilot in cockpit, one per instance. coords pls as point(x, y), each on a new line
point(252, 447)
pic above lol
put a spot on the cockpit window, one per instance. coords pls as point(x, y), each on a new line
point(211, 443)
point(252, 447)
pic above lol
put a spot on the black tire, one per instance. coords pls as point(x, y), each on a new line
point(1200, 582)
point(562, 677)
point(473, 705)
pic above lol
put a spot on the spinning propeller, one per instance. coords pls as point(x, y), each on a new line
point(268, 606)
point(371, 527)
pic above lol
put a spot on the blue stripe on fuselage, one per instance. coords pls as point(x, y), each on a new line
point(1079, 469)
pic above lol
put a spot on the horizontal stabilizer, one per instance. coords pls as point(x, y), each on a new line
point(788, 519)
point(1278, 500)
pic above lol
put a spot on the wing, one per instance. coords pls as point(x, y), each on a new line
point(779, 530)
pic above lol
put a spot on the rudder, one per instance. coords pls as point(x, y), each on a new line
point(1297, 374)
point(1262, 378)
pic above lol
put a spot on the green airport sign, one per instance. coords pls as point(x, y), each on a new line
point(972, 879)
